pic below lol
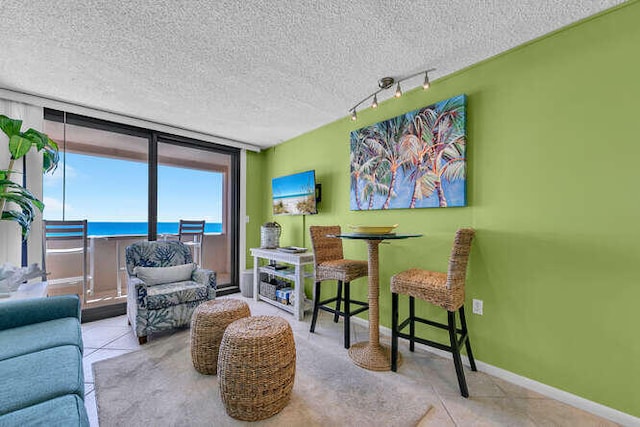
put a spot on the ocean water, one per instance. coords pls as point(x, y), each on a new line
point(140, 228)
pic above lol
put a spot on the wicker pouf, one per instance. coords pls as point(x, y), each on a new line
point(256, 367)
point(208, 323)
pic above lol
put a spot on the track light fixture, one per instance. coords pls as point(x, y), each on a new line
point(386, 83)
point(427, 84)
point(398, 93)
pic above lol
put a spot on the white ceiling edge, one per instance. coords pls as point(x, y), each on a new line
point(82, 110)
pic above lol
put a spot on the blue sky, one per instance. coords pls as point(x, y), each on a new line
point(295, 184)
point(105, 189)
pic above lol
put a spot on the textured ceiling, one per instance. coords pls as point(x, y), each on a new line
point(255, 71)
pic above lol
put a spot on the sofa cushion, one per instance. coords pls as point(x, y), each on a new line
point(67, 410)
point(39, 336)
point(36, 377)
point(159, 275)
point(170, 294)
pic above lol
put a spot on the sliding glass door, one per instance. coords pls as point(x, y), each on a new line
point(102, 178)
point(195, 184)
point(135, 184)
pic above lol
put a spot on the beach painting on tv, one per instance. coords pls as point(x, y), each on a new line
point(415, 160)
point(294, 194)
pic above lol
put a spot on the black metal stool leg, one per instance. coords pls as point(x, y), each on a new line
point(394, 332)
point(339, 298)
point(457, 361)
point(465, 332)
point(412, 323)
point(316, 301)
point(347, 316)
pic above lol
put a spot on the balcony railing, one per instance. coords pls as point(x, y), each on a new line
point(107, 282)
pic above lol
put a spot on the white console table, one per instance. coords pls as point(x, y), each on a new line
point(298, 261)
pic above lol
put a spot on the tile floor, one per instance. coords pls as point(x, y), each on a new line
point(492, 402)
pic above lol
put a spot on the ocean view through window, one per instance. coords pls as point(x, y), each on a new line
point(190, 193)
point(97, 228)
point(133, 184)
point(101, 190)
point(111, 194)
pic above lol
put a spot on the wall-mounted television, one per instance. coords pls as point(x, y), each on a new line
point(295, 194)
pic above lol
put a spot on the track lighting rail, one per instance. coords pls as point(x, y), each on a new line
point(386, 83)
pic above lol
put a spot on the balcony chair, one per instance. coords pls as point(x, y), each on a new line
point(331, 265)
point(67, 239)
point(191, 234)
point(445, 290)
point(164, 286)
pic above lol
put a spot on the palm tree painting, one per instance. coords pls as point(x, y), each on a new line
point(415, 160)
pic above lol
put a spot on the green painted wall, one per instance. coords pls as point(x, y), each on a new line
point(552, 188)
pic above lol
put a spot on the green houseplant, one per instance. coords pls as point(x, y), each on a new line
point(20, 143)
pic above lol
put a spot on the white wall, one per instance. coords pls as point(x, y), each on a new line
point(10, 237)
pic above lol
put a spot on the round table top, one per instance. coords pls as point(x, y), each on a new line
point(388, 236)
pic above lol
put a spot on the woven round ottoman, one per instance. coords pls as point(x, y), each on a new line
point(208, 323)
point(256, 367)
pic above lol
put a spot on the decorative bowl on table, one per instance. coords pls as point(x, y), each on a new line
point(368, 229)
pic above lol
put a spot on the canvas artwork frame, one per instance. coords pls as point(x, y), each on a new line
point(414, 160)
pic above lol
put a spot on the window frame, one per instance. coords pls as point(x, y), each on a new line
point(154, 138)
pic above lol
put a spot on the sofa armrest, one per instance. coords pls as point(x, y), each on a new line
point(206, 277)
point(35, 310)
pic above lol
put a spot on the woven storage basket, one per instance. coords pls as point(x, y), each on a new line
point(268, 290)
point(256, 367)
point(208, 323)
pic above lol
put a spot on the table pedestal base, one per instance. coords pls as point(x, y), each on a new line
point(372, 357)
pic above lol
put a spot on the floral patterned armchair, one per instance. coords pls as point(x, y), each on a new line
point(164, 286)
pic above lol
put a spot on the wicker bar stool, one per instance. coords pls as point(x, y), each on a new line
point(208, 323)
point(445, 290)
point(331, 265)
point(256, 367)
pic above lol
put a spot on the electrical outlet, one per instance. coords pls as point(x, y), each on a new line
point(477, 306)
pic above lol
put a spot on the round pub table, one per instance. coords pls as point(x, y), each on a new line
point(371, 354)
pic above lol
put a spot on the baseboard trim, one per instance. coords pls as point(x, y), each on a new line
point(544, 389)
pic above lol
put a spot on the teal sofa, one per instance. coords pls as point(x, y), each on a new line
point(41, 377)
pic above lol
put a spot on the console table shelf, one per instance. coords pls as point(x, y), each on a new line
point(297, 261)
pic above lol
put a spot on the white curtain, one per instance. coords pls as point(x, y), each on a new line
point(10, 235)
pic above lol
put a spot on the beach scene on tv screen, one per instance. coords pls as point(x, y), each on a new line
point(294, 194)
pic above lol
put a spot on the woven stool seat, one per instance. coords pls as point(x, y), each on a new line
point(345, 270)
point(256, 367)
point(430, 286)
point(209, 321)
point(330, 264)
point(445, 290)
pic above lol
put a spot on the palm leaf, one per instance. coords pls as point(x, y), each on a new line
point(39, 139)
point(19, 146)
point(10, 126)
point(456, 103)
point(11, 192)
point(50, 157)
point(453, 150)
point(23, 220)
point(410, 147)
point(454, 170)
point(426, 185)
